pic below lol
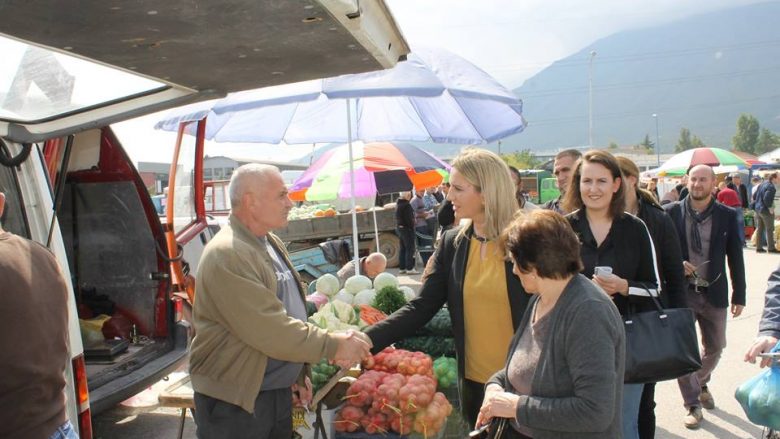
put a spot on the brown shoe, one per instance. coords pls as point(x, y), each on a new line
point(706, 399)
point(693, 418)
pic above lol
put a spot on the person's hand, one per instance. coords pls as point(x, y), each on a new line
point(351, 350)
point(612, 284)
point(689, 268)
point(490, 391)
point(761, 345)
point(302, 396)
point(736, 310)
point(498, 404)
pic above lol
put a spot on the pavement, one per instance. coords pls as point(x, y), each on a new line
point(140, 417)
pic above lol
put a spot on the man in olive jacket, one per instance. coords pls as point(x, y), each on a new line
point(252, 339)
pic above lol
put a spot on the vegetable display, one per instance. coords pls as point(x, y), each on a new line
point(397, 393)
point(336, 316)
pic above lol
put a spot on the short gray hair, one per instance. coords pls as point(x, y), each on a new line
point(243, 174)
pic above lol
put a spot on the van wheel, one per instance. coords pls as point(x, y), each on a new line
point(390, 246)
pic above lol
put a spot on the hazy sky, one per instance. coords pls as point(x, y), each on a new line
point(510, 39)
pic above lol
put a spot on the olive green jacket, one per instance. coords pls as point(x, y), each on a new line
point(240, 322)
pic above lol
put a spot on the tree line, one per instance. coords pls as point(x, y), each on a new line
point(750, 137)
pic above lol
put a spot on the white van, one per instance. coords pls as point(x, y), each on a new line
point(67, 74)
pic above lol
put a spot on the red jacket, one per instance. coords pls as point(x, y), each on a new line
point(729, 197)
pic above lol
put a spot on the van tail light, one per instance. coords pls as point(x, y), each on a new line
point(82, 397)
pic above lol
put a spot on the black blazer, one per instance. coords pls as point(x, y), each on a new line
point(444, 284)
point(724, 240)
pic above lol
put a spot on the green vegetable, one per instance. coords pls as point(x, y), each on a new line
point(434, 346)
point(385, 279)
point(321, 373)
point(446, 371)
point(440, 324)
point(389, 299)
point(327, 284)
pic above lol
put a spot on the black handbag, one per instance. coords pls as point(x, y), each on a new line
point(660, 345)
point(495, 430)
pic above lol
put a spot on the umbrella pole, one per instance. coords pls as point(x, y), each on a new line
point(352, 190)
point(376, 230)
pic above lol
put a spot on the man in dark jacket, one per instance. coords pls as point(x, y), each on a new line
point(765, 213)
point(404, 227)
point(563, 168)
point(708, 233)
point(769, 327)
point(33, 306)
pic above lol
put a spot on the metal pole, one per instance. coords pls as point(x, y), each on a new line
point(657, 143)
point(590, 98)
point(352, 190)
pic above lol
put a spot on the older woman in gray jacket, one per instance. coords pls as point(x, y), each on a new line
point(564, 371)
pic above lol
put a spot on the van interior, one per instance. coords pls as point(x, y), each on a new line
point(115, 247)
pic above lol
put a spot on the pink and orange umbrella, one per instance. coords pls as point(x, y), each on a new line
point(378, 168)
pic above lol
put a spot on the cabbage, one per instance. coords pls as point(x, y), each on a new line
point(336, 315)
point(385, 279)
point(342, 309)
point(327, 284)
point(409, 293)
point(365, 297)
point(343, 296)
point(356, 284)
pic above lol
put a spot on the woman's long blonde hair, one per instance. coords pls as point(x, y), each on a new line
point(490, 177)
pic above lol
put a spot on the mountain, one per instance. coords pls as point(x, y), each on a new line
point(700, 73)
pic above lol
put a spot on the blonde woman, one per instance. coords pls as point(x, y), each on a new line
point(471, 275)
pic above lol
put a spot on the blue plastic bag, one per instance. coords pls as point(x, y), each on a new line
point(760, 396)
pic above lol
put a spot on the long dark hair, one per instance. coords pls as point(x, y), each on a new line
point(573, 199)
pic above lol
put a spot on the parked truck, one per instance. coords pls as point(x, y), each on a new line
point(539, 185)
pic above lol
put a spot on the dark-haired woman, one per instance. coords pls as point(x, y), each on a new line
point(612, 238)
point(563, 376)
point(670, 267)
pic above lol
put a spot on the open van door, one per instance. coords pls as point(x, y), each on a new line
point(69, 70)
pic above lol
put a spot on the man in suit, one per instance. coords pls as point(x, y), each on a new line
point(708, 232)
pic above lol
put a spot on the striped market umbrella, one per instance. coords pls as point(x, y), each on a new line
point(682, 162)
point(378, 168)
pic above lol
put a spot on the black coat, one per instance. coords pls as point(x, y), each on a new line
point(668, 253)
point(404, 214)
point(630, 255)
point(444, 285)
point(724, 240)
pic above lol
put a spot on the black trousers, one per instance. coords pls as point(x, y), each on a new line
point(471, 396)
point(218, 419)
point(406, 256)
point(647, 412)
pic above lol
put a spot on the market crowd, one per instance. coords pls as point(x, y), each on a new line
point(538, 298)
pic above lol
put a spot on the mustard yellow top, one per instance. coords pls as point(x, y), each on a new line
point(487, 316)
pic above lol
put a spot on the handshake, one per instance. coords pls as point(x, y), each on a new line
point(353, 347)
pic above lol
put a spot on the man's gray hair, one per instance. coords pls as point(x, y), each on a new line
point(242, 175)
